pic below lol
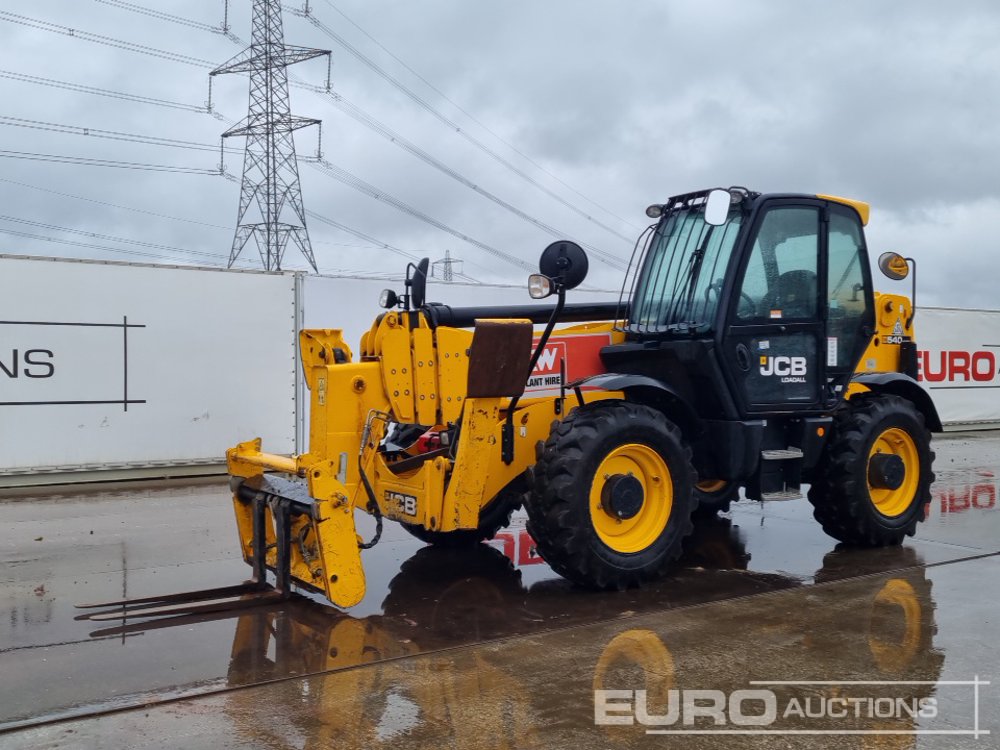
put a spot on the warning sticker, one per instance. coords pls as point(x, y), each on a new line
point(831, 351)
point(897, 335)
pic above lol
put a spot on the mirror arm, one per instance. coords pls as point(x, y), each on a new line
point(407, 285)
point(544, 339)
point(913, 291)
point(507, 435)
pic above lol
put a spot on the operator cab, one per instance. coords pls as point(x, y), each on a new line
point(756, 303)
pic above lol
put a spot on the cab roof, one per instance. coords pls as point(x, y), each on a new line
point(698, 196)
point(863, 209)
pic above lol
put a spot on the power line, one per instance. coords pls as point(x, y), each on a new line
point(361, 235)
point(353, 111)
point(223, 29)
point(336, 172)
point(112, 205)
point(140, 243)
point(385, 131)
point(370, 190)
point(376, 243)
point(416, 99)
point(176, 57)
point(379, 243)
point(107, 41)
point(80, 130)
point(114, 135)
point(369, 238)
point(79, 88)
point(91, 246)
point(326, 220)
point(478, 122)
point(159, 14)
point(85, 161)
point(117, 135)
point(109, 237)
point(455, 127)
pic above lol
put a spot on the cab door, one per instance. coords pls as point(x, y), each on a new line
point(850, 303)
point(775, 330)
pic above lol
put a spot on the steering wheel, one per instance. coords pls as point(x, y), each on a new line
point(751, 306)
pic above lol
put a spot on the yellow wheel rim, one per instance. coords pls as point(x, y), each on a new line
point(628, 654)
point(894, 657)
point(897, 442)
point(712, 485)
point(633, 534)
point(645, 650)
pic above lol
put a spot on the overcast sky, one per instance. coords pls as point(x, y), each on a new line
point(617, 105)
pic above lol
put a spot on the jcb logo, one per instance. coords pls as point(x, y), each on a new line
point(783, 366)
point(407, 503)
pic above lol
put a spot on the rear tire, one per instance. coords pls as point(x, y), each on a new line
point(492, 518)
point(611, 501)
point(846, 503)
point(715, 496)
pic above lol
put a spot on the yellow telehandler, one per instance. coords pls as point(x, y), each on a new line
point(748, 350)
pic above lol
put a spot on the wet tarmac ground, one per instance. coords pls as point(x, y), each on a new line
point(487, 648)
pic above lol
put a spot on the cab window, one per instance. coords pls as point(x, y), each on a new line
point(780, 280)
point(847, 303)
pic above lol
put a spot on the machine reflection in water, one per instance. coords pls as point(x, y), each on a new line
point(480, 697)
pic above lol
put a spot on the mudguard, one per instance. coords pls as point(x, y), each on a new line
point(906, 387)
point(647, 390)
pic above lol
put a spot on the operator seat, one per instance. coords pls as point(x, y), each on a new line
point(794, 294)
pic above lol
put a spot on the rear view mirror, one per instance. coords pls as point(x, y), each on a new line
point(894, 266)
point(565, 263)
point(717, 207)
point(417, 283)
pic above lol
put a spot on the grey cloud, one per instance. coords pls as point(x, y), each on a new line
point(627, 102)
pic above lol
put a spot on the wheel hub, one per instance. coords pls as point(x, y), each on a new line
point(886, 471)
point(622, 496)
point(631, 497)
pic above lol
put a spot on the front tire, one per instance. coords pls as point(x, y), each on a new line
point(873, 485)
point(611, 498)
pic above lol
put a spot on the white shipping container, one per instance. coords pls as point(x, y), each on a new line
point(958, 360)
point(116, 366)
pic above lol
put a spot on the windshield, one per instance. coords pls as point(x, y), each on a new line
point(681, 279)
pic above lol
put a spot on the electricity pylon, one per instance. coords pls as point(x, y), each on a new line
point(271, 210)
point(447, 265)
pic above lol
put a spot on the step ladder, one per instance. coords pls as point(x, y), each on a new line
point(779, 475)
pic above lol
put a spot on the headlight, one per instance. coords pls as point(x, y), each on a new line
point(388, 299)
point(539, 286)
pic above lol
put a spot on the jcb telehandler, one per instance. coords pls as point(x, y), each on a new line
point(749, 350)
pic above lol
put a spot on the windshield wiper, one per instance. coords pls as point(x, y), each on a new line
point(689, 280)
